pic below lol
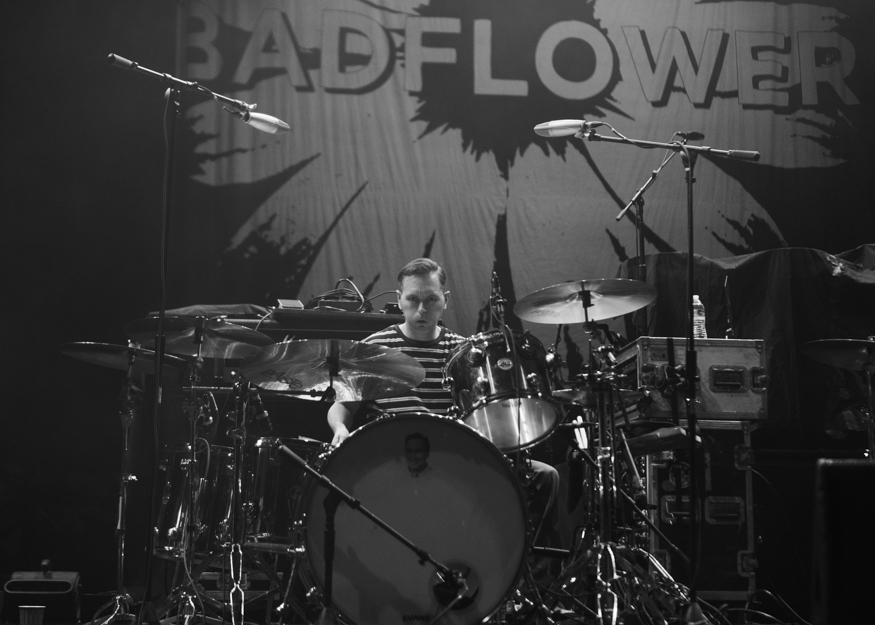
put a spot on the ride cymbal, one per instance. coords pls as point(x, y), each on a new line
point(584, 300)
point(363, 371)
point(220, 338)
point(119, 356)
point(854, 354)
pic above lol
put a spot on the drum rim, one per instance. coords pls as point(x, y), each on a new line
point(311, 484)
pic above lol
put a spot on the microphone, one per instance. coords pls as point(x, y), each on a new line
point(744, 155)
point(691, 135)
point(121, 62)
point(262, 122)
point(565, 127)
point(262, 419)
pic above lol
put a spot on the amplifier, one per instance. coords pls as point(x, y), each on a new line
point(58, 591)
point(732, 377)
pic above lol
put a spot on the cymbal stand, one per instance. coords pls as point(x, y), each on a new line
point(619, 577)
point(122, 601)
point(183, 597)
point(496, 305)
point(869, 371)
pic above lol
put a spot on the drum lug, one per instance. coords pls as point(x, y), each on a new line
point(533, 382)
point(476, 355)
point(448, 383)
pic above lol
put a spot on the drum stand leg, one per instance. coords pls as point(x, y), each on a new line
point(283, 608)
point(122, 600)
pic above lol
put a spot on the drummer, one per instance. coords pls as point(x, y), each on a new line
point(423, 297)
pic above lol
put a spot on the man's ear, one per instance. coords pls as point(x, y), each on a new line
point(446, 298)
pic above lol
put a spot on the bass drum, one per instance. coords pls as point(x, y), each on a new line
point(442, 486)
point(482, 378)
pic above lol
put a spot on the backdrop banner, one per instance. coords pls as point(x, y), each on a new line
point(412, 134)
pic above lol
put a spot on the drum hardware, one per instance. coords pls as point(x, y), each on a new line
point(853, 354)
point(134, 360)
point(606, 575)
point(210, 524)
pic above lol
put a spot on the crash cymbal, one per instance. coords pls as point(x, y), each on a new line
point(852, 354)
point(119, 356)
point(364, 371)
point(221, 339)
point(589, 398)
point(564, 303)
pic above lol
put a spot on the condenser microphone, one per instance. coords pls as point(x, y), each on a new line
point(265, 123)
point(565, 127)
point(262, 419)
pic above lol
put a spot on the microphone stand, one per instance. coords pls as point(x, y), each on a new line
point(239, 109)
point(693, 614)
point(638, 202)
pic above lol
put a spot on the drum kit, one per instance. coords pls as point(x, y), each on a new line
point(435, 529)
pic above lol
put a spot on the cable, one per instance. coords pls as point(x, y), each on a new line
point(787, 523)
point(758, 613)
point(777, 598)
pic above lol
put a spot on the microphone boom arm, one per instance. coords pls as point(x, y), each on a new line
point(241, 109)
point(746, 155)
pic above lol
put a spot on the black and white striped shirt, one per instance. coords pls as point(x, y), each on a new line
point(430, 395)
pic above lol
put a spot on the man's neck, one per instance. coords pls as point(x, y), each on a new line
point(419, 336)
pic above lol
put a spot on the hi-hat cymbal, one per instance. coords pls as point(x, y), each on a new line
point(589, 398)
point(564, 303)
point(853, 354)
point(119, 356)
point(364, 371)
point(221, 339)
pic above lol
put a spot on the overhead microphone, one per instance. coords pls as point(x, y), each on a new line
point(691, 135)
point(565, 127)
point(262, 122)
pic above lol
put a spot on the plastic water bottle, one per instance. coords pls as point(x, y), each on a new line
point(699, 330)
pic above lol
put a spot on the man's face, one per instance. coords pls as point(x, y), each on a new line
point(416, 454)
point(422, 302)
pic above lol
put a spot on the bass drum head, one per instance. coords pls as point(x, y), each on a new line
point(460, 502)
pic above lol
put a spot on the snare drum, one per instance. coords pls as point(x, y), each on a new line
point(511, 407)
point(442, 486)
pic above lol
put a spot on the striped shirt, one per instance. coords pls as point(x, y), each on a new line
point(430, 395)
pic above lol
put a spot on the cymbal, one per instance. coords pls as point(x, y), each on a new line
point(119, 356)
point(563, 303)
point(364, 371)
point(852, 354)
point(221, 339)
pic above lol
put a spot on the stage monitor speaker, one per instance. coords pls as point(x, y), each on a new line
point(57, 590)
point(844, 542)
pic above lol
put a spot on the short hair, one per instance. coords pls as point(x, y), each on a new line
point(423, 267)
point(422, 437)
